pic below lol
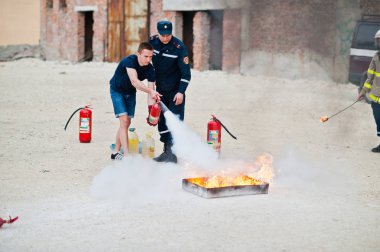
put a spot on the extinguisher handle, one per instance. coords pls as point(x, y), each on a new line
point(216, 119)
point(72, 116)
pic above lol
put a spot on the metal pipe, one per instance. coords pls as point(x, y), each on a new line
point(326, 118)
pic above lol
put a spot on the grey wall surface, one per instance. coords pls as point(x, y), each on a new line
point(300, 39)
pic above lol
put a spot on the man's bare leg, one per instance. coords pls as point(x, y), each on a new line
point(118, 143)
point(125, 122)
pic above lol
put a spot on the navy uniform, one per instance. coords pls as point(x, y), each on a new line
point(171, 63)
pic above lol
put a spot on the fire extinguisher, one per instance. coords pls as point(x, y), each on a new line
point(85, 123)
point(154, 114)
point(214, 133)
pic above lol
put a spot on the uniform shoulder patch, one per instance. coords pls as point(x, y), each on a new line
point(153, 37)
point(186, 60)
point(177, 45)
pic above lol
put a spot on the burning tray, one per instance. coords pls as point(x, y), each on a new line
point(192, 185)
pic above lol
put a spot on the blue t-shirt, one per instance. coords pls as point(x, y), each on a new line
point(120, 81)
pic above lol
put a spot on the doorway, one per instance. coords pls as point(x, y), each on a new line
point(88, 35)
point(188, 35)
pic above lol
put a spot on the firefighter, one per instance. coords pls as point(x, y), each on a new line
point(372, 86)
point(171, 63)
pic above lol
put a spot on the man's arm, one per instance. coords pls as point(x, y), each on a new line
point(370, 76)
point(132, 74)
point(151, 100)
point(184, 67)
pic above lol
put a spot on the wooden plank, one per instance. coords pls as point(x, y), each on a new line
point(127, 27)
point(114, 28)
point(136, 24)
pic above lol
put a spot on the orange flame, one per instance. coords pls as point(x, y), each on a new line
point(324, 119)
point(224, 181)
point(263, 168)
point(262, 173)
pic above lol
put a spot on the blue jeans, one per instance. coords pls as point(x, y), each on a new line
point(376, 113)
point(123, 104)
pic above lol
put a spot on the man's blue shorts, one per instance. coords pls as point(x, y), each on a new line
point(123, 104)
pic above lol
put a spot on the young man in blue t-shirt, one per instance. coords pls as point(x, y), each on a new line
point(128, 77)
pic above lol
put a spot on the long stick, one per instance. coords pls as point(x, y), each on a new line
point(324, 119)
point(343, 109)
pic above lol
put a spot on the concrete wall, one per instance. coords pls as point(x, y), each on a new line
point(232, 23)
point(303, 39)
point(19, 22)
point(288, 38)
point(231, 40)
point(201, 47)
point(186, 5)
point(370, 7)
point(157, 13)
point(292, 39)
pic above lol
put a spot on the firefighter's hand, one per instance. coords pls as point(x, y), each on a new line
point(178, 98)
point(361, 95)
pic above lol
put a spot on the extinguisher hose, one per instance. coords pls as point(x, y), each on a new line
point(234, 137)
point(71, 117)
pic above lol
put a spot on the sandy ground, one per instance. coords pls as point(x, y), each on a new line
point(325, 196)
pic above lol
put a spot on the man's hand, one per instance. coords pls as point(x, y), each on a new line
point(155, 95)
point(178, 98)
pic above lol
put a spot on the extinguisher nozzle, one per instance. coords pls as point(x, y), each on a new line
point(163, 106)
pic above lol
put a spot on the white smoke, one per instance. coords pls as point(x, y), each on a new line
point(141, 180)
point(136, 179)
point(188, 145)
point(297, 169)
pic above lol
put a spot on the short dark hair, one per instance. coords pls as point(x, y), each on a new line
point(145, 45)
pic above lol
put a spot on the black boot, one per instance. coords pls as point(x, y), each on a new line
point(376, 149)
point(166, 156)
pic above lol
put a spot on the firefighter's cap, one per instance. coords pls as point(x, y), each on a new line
point(377, 35)
point(164, 27)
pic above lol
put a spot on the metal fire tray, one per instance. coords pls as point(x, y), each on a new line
point(227, 191)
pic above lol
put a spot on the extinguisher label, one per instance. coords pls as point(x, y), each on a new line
point(213, 135)
point(84, 125)
point(214, 139)
point(153, 120)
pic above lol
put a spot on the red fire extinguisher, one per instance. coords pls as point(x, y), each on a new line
point(214, 133)
point(85, 123)
point(154, 114)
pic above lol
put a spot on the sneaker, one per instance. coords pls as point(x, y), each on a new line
point(112, 147)
point(376, 149)
point(117, 156)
